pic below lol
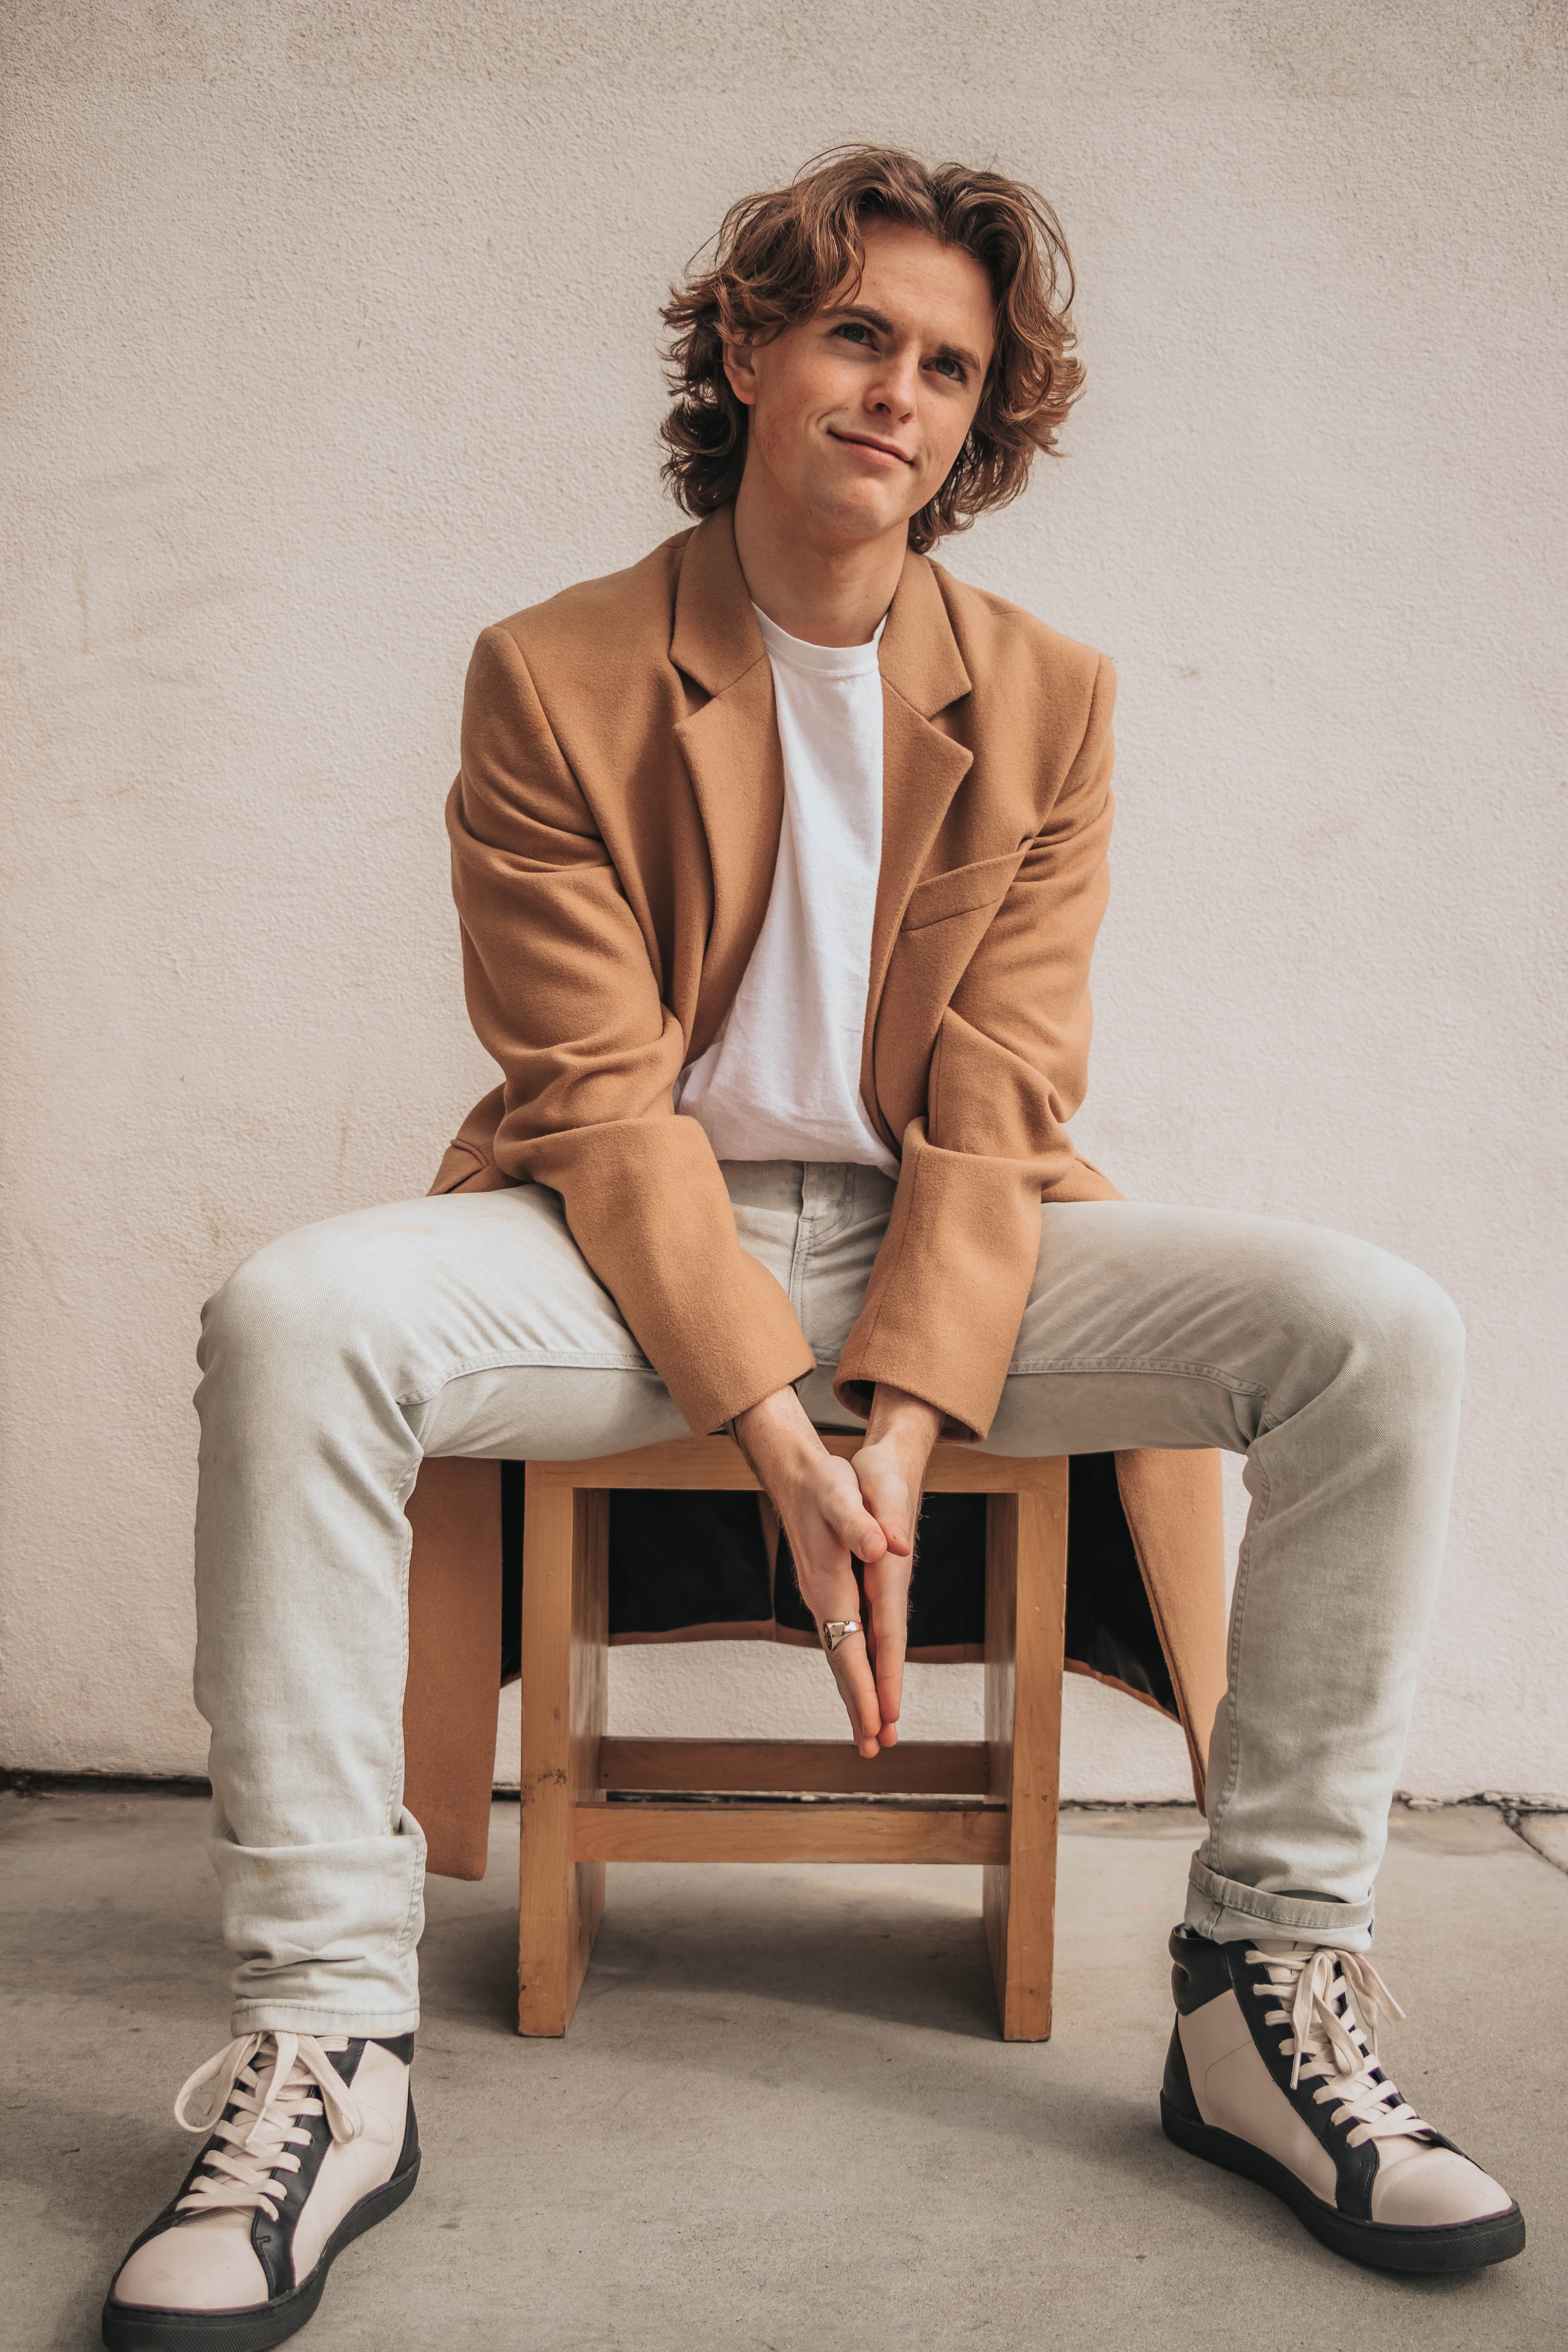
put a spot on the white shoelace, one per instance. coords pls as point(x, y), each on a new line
point(272, 2099)
point(1326, 1999)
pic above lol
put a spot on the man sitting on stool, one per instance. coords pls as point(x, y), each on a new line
point(779, 860)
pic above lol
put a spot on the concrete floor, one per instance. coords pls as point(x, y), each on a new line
point(783, 2121)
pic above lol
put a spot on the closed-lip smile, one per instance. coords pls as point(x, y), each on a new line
point(869, 441)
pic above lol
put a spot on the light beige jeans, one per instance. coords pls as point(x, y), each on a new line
point(335, 1359)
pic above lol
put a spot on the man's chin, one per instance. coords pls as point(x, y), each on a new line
point(859, 512)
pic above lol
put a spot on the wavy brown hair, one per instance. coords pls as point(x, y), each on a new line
point(777, 258)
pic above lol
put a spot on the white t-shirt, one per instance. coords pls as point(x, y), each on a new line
point(781, 1080)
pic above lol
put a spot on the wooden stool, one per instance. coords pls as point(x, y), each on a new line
point(1006, 1782)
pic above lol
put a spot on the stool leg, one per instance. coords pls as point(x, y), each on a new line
point(1025, 1607)
point(565, 1693)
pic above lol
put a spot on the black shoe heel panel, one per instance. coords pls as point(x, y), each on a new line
point(1177, 2091)
point(1200, 1971)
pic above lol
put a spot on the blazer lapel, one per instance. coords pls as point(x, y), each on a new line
point(732, 751)
point(922, 673)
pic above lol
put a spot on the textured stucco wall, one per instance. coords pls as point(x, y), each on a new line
point(329, 338)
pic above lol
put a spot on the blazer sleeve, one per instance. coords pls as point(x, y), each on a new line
point(1010, 1067)
point(562, 991)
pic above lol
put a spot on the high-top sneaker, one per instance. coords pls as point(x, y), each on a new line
point(311, 2142)
point(1273, 2073)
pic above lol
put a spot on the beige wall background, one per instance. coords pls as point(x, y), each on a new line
point(330, 337)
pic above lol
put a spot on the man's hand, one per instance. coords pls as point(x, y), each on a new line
point(891, 1469)
point(831, 1535)
point(851, 1528)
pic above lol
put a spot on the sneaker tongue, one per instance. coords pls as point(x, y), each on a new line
point(1282, 1955)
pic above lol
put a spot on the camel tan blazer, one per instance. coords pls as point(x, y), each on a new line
point(615, 827)
point(615, 830)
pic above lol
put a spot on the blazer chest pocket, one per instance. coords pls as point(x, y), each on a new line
point(961, 892)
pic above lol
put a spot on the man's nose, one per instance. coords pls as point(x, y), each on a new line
point(896, 385)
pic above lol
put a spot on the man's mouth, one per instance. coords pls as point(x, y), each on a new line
point(869, 441)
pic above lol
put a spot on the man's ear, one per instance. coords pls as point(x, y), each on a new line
point(740, 368)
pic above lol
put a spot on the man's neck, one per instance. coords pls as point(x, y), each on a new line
point(823, 590)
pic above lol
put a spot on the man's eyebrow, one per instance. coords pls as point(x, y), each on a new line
point(884, 325)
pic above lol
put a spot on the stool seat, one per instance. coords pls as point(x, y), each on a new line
point(991, 1801)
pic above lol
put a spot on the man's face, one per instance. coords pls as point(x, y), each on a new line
point(860, 412)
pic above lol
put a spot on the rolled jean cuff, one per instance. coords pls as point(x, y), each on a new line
point(1226, 1912)
point(325, 2024)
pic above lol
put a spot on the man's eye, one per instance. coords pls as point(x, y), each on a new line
point(852, 330)
point(953, 368)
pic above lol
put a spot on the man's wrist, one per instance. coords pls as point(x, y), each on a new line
point(774, 1431)
point(903, 1420)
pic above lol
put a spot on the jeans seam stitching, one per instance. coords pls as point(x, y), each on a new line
point(799, 1260)
point(406, 1935)
point(1163, 1366)
point(405, 1565)
point(514, 1359)
point(1256, 1518)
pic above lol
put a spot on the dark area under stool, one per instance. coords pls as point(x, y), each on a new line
point(684, 1561)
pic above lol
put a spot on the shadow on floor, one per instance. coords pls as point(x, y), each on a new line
point(782, 2120)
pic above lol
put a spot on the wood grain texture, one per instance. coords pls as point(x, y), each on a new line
point(454, 1661)
point(564, 1683)
point(1001, 1645)
point(956, 1767)
point(1025, 1607)
point(971, 1834)
point(717, 1463)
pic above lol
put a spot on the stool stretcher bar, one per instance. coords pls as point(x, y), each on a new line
point(790, 1833)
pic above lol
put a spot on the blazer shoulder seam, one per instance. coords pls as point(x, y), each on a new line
point(633, 585)
point(964, 600)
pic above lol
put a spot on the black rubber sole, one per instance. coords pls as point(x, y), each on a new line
point(1460, 2246)
point(127, 2328)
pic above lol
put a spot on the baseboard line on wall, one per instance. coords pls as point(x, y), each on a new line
point(1518, 1808)
point(24, 1781)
